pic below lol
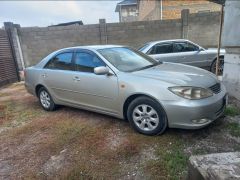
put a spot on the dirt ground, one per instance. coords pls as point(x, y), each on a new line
point(76, 144)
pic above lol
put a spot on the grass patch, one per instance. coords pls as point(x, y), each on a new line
point(16, 114)
point(90, 159)
point(200, 151)
point(67, 131)
point(2, 111)
point(232, 111)
point(78, 172)
point(234, 129)
point(171, 162)
point(3, 94)
point(6, 112)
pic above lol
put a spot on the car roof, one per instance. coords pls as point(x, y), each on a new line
point(92, 47)
point(163, 41)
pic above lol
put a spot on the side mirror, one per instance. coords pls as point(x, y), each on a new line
point(101, 70)
point(200, 49)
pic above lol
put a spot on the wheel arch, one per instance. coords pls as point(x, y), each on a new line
point(215, 58)
point(133, 97)
point(37, 87)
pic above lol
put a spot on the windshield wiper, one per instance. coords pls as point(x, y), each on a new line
point(146, 67)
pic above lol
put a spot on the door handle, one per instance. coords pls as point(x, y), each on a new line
point(76, 78)
point(44, 75)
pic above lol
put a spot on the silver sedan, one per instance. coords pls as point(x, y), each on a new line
point(185, 52)
point(125, 83)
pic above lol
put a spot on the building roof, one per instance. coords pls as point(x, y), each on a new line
point(69, 23)
point(222, 2)
point(125, 3)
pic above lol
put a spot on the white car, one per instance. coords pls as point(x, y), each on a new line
point(185, 52)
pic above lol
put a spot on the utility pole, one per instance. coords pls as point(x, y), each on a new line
point(161, 4)
point(219, 40)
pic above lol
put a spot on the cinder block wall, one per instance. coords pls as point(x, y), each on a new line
point(38, 42)
point(203, 28)
point(137, 33)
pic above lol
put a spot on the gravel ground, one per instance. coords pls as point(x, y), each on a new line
point(72, 143)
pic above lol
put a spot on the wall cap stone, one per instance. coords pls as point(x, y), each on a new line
point(215, 166)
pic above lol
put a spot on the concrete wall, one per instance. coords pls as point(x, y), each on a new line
point(204, 29)
point(38, 42)
point(231, 41)
point(16, 44)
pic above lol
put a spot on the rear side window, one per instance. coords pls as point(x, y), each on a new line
point(86, 62)
point(62, 62)
point(161, 49)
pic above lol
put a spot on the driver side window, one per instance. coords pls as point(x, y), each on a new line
point(86, 62)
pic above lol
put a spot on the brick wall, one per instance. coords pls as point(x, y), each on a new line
point(38, 42)
point(150, 9)
point(145, 7)
point(173, 10)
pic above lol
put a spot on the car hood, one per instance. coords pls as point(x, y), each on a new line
point(215, 50)
point(178, 74)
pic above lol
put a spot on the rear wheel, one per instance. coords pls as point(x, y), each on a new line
point(147, 116)
point(221, 66)
point(45, 100)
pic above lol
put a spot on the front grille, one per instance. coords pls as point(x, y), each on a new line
point(216, 88)
point(221, 110)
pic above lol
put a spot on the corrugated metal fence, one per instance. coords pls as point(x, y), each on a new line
point(8, 69)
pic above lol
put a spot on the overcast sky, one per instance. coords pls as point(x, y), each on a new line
point(45, 13)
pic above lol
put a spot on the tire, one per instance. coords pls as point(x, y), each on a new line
point(141, 113)
point(221, 65)
point(46, 100)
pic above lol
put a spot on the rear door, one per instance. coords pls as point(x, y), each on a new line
point(57, 76)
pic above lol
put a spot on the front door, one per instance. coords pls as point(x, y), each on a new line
point(95, 91)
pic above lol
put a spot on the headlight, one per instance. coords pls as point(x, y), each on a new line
point(191, 92)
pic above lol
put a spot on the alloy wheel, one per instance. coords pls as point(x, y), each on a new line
point(45, 99)
point(145, 117)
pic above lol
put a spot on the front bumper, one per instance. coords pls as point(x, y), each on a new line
point(195, 114)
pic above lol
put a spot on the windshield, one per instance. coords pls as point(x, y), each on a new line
point(143, 47)
point(126, 59)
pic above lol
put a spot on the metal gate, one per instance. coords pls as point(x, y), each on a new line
point(8, 68)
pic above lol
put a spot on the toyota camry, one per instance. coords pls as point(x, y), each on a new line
point(127, 84)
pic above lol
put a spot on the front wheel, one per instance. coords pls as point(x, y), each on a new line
point(221, 66)
point(45, 100)
point(147, 116)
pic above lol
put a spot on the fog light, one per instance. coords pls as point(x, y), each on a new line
point(200, 121)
